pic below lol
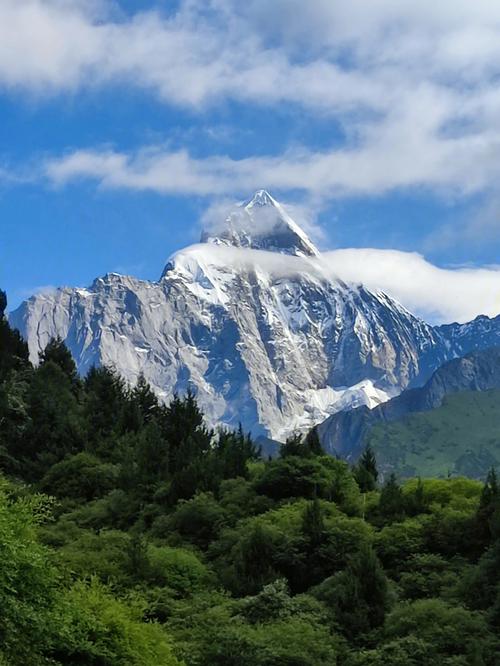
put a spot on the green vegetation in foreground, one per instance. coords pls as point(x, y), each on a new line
point(462, 437)
point(130, 535)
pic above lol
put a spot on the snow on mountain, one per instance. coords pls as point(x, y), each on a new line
point(261, 223)
point(253, 319)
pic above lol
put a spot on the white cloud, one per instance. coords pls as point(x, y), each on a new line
point(415, 87)
point(436, 294)
point(389, 159)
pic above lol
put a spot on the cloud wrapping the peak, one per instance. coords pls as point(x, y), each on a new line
point(439, 295)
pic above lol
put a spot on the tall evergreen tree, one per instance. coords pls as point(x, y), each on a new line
point(366, 472)
point(146, 400)
point(305, 447)
point(359, 595)
point(57, 352)
point(14, 354)
point(488, 513)
point(106, 405)
point(391, 503)
point(313, 525)
point(312, 442)
point(55, 427)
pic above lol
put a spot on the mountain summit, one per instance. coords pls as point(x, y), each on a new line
point(261, 223)
point(269, 339)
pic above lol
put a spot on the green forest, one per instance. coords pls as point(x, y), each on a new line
point(131, 534)
point(462, 436)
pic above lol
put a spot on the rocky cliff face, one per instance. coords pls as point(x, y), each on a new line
point(255, 321)
point(345, 433)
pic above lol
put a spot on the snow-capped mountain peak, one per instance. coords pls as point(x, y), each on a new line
point(261, 223)
point(256, 322)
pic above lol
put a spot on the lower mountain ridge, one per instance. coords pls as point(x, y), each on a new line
point(408, 430)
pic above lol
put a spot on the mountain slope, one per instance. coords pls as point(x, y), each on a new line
point(461, 437)
point(255, 320)
point(271, 339)
point(347, 433)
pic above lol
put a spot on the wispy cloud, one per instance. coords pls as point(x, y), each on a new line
point(436, 294)
point(414, 86)
point(382, 163)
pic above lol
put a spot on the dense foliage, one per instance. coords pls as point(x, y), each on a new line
point(132, 534)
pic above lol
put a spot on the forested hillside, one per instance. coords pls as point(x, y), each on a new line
point(132, 535)
point(462, 436)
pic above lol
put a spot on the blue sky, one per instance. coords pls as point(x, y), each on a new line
point(121, 123)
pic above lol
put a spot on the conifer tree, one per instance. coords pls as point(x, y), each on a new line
point(14, 355)
point(366, 472)
point(391, 503)
point(487, 521)
point(145, 398)
point(305, 447)
point(312, 442)
point(359, 595)
point(313, 525)
point(105, 406)
point(57, 352)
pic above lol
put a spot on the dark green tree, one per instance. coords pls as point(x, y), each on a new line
point(416, 501)
point(14, 354)
point(232, 451)
point(488, 512)
point(305, 447)
point(106, 404)
point(312, 442)
point(152, 458)
point(144, 405)
point(56, 352)
point(366, 472)
point(359, 595)
point(313, 524)
point(56, 428)
point(391, 503)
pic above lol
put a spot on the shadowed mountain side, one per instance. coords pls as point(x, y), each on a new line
point(346, 433)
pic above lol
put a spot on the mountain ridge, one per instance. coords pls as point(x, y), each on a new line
point(265, 333)
point(346, 433)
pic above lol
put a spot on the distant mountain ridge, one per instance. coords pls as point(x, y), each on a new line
point(256, 322)
point(346, 433)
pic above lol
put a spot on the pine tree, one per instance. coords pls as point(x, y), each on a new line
point(185, 432)
point(366, 472)
point(106, 406)
point(359, 595)
point(14, 354)
point(487, 518)
point(152, 457)
point(56, 426)
point(391, 503)
point(292, 446)
point(312, 442)
point(3, 303)
point(490, 492)
point(313, 525)
point(57, 352)
point(419, 501)
point(305, 447)
point(145, 398)
point(232, 452)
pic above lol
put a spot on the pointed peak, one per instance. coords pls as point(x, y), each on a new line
point(260, 198)
point(261, 223)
